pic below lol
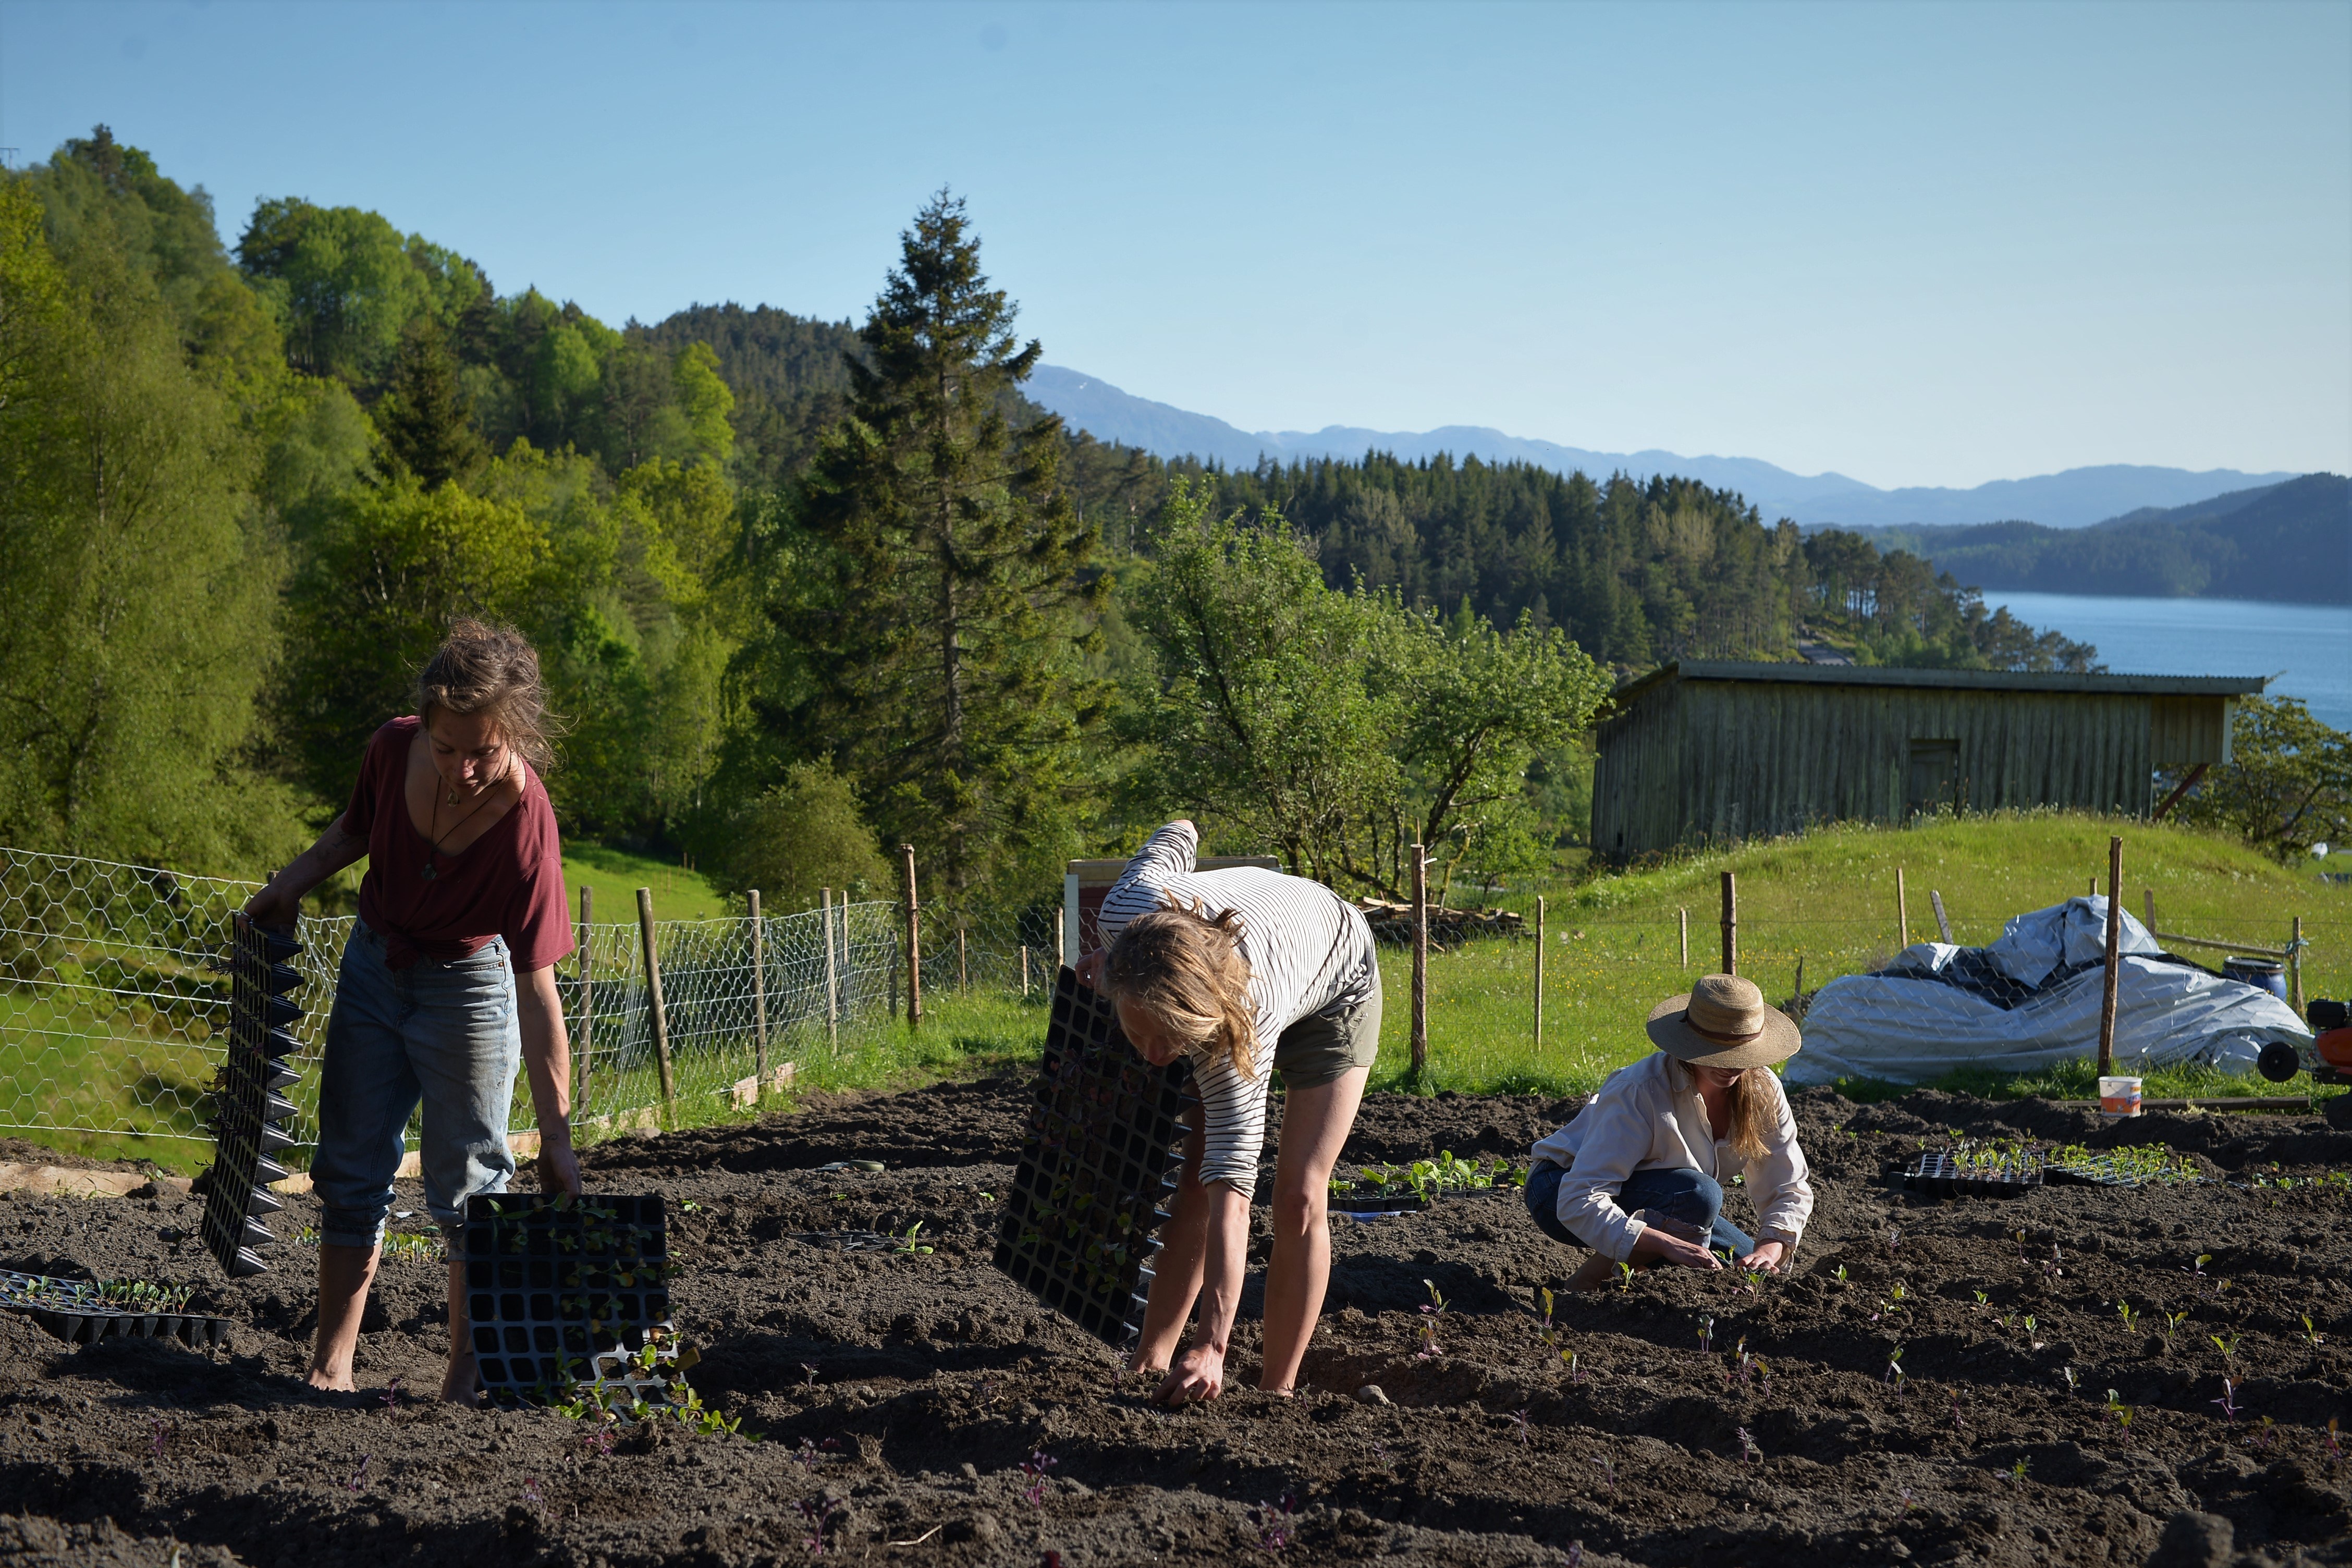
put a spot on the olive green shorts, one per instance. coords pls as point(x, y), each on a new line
point(1324, 1048)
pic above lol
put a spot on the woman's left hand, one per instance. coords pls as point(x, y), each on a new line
point(558, 1167)
point(1199, 1373)
point(1767, 1256)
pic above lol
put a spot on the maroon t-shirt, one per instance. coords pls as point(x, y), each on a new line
point(509, 882)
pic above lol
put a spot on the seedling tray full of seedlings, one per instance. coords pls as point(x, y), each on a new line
point(569, 1300)
point(1971, 1169)
point(84, 1312)
point(1410, 1189)
point(1096, 1158)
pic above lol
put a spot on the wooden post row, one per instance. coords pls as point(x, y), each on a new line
point(914, 945)
point(1731, 923)
point(1902, 910)
point(2114, 965)
point(759, 991)
point(1681, 919)
point(1420, 962)
point(1943, 921)
point(660, 1015)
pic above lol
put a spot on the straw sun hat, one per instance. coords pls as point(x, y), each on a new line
point(1724, 1023)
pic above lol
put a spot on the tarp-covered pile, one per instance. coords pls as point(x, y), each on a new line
point(2031, 1001)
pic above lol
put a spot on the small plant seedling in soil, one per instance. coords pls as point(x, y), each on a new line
point(1706, 1337)
point(1575, 1373)
point(598, 1441)
point(2119, 1413)
point(2228, 1400)
point(1894, 1240)
point(1958, 1425)
point(2032, 1329)
point(160, 1434)
point(2122, 1310)
point(2311, 1334)
point(1608, 1469)
point(1748, 1452)
point(2068, 1374)
point(2334, 1452)
point(1520, 1424)
point(1625, 1277)
point(358, 1483)
point(1275, 1531)
point(910, 1245)
point(1894, 1377)
point(2260, 1438)
point(1909, 1502)
point(814, 1512)
point(2172, 1322)
point(2227, 1346)
point(1035, 1466)
point(1840, 1275)
point(1545, 1291)
point(1431, 1310)
point(1983, 1300)
point(2017, 1473)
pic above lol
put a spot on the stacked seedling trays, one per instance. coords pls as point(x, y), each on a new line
point(1943, 1173)
point(1096, 1160)
point(248, 1104)
point(567, 1297)
point(81, 1312)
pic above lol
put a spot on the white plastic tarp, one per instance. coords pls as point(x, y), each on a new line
point(1908, 1030)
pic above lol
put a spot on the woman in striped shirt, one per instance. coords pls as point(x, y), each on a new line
point(1219, 966)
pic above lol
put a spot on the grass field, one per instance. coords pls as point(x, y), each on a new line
point(616, 874)
point(1827, 899)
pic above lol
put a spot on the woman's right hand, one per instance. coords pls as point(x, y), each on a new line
point(1654, 1242)
point(276, 908)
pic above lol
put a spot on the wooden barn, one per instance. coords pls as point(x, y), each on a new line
point(1703, 752)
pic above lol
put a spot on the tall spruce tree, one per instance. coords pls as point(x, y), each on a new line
point(427, 428)
point(937, 604)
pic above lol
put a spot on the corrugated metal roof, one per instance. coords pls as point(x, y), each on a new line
point(1968, 679)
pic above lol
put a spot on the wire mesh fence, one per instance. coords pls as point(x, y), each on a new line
point(113, 993)
point(114, 999)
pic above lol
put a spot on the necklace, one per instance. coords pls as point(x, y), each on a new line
point(429, 872)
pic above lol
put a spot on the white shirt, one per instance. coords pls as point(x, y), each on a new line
point(1640, 1122)
point(1308, 948)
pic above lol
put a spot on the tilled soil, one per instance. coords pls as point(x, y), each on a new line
point(899, 1396)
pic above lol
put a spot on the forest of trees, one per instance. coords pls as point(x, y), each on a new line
point(782, 569)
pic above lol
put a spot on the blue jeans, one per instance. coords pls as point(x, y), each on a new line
point(1689, 1196)
point(447, 1034)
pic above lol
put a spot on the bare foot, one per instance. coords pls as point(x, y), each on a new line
point(462, 1383)
point(1593, 1273)
point(330, 1381)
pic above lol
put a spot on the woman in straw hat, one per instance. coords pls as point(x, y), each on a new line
point(1638, 1175)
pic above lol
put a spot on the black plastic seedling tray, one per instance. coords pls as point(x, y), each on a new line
point(247, 1107)
point(1377, 1202)
point(79, 1314)
point(1938, 1173)
point(1096, 1157)
point(561, 1294)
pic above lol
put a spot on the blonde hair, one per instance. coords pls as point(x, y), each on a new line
point(1187, 970)
point(485, 667)
point(1755, 1108)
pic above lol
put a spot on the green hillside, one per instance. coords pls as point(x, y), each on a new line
point(2289, 543)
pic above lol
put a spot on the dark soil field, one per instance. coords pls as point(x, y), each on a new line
point(898, 1398)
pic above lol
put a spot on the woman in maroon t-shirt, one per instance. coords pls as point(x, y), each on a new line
point(448, 982)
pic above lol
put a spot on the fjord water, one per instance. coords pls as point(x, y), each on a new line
point(2311, 643)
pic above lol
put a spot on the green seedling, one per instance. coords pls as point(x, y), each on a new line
point(2311, 1334)
point(2122, 1310)
point(2172, 1322)
point(2261, 1436)
point(1840, 1275)
point(2118, 1412)
point(1748, 1452)
point(911, 1244)
point(1575, 1374)
point(1706, 1337)
point(1894, 1377)
point(1625, 1277)
point(2227, 1347)
point(1983, 1300)
point(1431, 1310)
point(1608, 1473)
point(2032, 1329)
point(2068, 1374)
point(2335, 1451)
point(2017, 1473)
point(1545, 1291)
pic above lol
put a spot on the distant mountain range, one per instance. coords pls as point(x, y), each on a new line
point(2289, 542)
point(2077, 498)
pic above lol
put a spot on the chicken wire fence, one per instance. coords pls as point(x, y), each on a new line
point(114, 997)
point(114, 1005)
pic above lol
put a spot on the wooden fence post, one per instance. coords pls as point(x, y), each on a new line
point(964, 962)
point(1943, 921)
point(914, 945)
point(759, 991)
point(1539, 963)
point(2114, 965)
point(1420, 963)
point(587, 1033)
point(1902, 910)
point(2294, 969)
point(2147, 905)
point(832, 974)
point(1681, 919)
point(658, 1014)
point(1024, 972)
point(1731, 923)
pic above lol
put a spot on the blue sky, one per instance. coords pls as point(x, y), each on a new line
point(1917, 244)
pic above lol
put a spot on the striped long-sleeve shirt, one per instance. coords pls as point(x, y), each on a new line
point(1308, 948)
